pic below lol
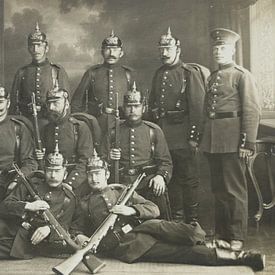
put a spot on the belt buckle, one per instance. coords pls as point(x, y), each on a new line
point(212, 115)
point(131, 172)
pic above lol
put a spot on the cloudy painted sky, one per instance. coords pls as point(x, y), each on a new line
point(75, 29)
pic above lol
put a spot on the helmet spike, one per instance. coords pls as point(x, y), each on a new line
point(112, 34)
point(169, 31)
point(134, 87)
point(37, 29)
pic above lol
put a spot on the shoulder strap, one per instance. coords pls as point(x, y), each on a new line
point(17, 128)
point(152, 141)
point(54, 75)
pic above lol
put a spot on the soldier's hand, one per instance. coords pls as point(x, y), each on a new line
point(36, 206)
point(244, 154)
point(40, 234)
point(158, 185)
point(81, 239)
point(123, 210)
point(40, 154)
point(194, 146)
point(12, 186)
point(115, 154)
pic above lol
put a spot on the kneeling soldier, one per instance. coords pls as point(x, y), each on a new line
point(138, 236)
point(23, 230)
point(143, 148)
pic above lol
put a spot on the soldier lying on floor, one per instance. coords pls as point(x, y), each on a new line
point(138, 236)
point(24, 229)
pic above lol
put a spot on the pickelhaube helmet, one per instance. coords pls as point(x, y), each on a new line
point(112, 41)
point(95, 163)
point(56, 93)
point(3, 93)
point(133, 97)
point(37, 37)
point(55, 160)
point(167, 40)
point(222, 36)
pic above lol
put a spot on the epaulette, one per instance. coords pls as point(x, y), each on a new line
point(127, 68)
point(56, 65)
point(21, 120)
point(73, 120)
point(95, 67)
point(151, 124)
point(240, 68)
point(187, 67)
point(69, 193)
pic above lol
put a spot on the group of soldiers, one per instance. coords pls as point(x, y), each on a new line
point(71, 146)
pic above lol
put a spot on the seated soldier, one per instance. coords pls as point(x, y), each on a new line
point(73, 137)
point(16, 146)
point(24, 231)
point(142, 148)
point(137, 236)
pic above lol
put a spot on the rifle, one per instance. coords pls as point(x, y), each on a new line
point(67, 266)
point(117, 126)
point(50, 218)
point(38, 141)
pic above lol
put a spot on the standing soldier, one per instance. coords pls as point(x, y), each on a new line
point(72, 135)
point(16, 146)
point(176, 104)
point(96, 91)
point(232, 113)
point(143, 148)
point(38, 78)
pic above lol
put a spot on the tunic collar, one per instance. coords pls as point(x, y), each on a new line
point(174, 66)
point(41, 64)
point(226, 66)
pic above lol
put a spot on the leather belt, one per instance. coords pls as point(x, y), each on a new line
point(148, 169)
point(214, 115)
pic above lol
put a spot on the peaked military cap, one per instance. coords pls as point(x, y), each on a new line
point(55, 160)
point(37, 37)
point(112, 41)
point(167, 40)
point(56, 93)
point(133, 97)
point(222, 36)
point(3, 93)
point(95, 163)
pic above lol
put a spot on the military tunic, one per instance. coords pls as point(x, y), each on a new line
point(177, 98)
point(144, 145)
point(231, 108)
point(75, 144)
point(142, 237)
point(37, 78)
point(16, 146)
point(100, 83)
point(17, 225)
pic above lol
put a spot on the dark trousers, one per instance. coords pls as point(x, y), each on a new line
point(172, 253)
point(231, 199)
point(183, 187)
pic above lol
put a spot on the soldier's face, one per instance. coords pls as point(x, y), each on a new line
point(133, 113)
point(54, 177)
point(4, 106)
point(38, 52)
point(57, 109)
point(223, 54)
point(111, 55)
point(98, 179)
point(168, 55)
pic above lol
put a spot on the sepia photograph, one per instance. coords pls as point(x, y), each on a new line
point(137, 137)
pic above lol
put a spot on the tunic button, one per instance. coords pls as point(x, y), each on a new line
point(111, 70)
point(111, 75)
point(132, 142)
point(132, 156)
point(109, 204)
point(165, 77)
point(38, 68)
point(73, 178)
point(166, 72)
point(111, 87)
point(132, 136)
point(132, 130)
point(163, 90)
point(111, 80)
point(163, 83)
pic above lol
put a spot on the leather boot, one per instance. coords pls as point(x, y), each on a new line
point(191, 213)
point(253, 259)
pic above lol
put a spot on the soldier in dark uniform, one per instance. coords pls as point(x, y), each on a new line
point(142, 148)
point(176, 104)
point(232, 113)
point(24, 232)
point(38, 78)
point(72, 135)
point(96, 92)
point(137, 236)
point(16, 146)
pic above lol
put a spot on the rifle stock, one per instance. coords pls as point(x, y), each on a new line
point(67, 266)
